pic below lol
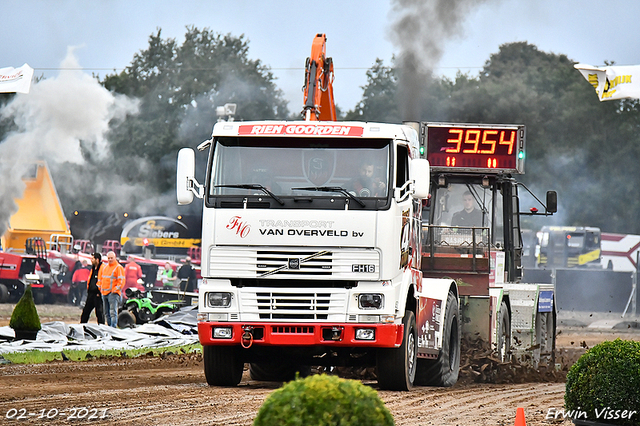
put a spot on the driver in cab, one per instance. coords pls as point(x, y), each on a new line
point(365, 185)
point(469, 216)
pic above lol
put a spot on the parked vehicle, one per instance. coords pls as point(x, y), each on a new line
point(140, 309)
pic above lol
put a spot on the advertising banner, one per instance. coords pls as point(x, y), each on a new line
point(614, 82)
point(16, 80)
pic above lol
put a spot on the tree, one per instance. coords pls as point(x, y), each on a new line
point(587, 150)
point(379, 96)
point(179, 87)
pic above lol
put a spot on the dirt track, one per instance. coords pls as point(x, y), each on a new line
point(173, 391)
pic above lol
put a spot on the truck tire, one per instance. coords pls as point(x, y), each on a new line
point(4, 293)
point(503, 334)
point(396, 367)
point(546, 339)
point(268, 372)
point(222, 365)
point(444, 370)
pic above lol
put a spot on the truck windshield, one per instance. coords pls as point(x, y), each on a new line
point(284, 165)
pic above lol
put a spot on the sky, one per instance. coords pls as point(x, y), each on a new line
point(107, 33)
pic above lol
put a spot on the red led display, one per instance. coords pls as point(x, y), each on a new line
point(475, 147)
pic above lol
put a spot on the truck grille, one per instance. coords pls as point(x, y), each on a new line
point(293, 263)
point(294, 305)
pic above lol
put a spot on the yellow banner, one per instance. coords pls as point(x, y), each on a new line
point(615, 82)
point(163, 242)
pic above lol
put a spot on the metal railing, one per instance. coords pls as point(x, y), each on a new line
point(455, 241)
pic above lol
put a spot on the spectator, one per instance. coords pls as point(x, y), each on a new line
point(111, 278)
point(187, 276)
point(168, 277)
point(94, 297)
point(133, 273)
point(79, 283)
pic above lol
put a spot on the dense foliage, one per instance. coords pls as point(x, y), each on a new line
point(323, 400)
point(25, 316)
point(587, 150)
point(605, 382)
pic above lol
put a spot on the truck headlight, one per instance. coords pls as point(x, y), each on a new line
point(370, 301)
point(365, 334)
point(218, 300)
point(222, 333)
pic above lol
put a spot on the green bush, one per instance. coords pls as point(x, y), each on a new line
point(323, 400)
point(24, 315)
point(604, 383)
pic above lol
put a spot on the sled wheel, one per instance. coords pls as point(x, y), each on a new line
point(222, 365)
point(38, 297)
point(4, 293)
point(126, 319)
point(397, 366)
point(271, 372)
point(503, 334)
point(444, 370)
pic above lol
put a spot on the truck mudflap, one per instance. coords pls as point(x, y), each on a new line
point(301, 334)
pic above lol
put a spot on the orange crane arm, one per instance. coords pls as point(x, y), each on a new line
point(319, 104)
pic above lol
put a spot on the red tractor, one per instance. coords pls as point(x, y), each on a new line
point(16, 271)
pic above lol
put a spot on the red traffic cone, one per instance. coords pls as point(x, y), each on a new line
point(520, 421)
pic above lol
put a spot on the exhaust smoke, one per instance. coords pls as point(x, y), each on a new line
point(421, 32)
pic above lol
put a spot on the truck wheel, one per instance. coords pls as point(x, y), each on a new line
point(444, 370)
point(126, 319)
point(268, 372)
point(546, 338)
point(222, 365)
point(503, 333)
point(396, 367)
point(4, 293)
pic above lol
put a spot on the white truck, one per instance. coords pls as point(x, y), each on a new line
point(315, 251)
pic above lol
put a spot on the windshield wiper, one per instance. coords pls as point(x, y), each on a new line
point(332, 189)
point(253, 186)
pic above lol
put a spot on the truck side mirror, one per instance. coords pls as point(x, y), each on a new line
point(552, 201)
point(185, 175)
point(419, 173)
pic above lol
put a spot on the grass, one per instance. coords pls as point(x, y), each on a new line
point(39, 357)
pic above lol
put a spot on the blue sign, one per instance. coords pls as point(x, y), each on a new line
point(545, 301)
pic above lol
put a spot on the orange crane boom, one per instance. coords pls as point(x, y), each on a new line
point(319, 104)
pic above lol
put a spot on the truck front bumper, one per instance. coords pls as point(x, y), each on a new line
point(301, 334)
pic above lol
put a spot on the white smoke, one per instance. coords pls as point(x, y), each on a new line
point(51, 122)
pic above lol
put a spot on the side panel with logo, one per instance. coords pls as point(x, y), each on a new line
point(286, 228)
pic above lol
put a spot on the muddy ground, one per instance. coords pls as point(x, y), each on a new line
point(173, 391)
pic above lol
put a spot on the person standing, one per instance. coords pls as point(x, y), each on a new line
point(168, 277)
point(132, 273)
point(187, 276)
point(111, 278)
point(79, 281)
point(94, 296)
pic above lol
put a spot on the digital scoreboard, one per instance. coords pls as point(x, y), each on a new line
point(474, 147)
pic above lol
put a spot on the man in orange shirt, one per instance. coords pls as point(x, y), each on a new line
point(111, 279)
point(132, 273)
